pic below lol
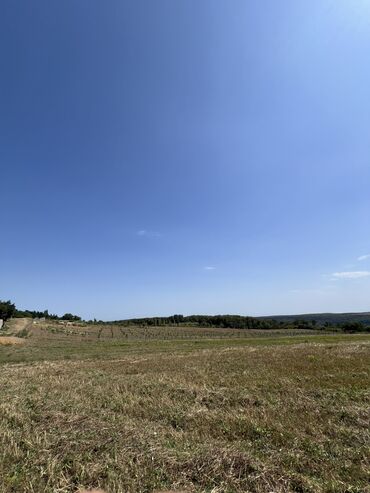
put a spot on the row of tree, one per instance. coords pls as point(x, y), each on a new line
point(220, 321)
point(240, 322)
point(196, 320)
point(353, 327)
point(9, 310)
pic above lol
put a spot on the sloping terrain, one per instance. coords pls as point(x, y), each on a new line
point(15, 326)
point(14, 331)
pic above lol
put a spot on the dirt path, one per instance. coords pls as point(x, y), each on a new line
point(16, 325)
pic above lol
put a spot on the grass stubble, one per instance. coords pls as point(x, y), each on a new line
point(215, 417)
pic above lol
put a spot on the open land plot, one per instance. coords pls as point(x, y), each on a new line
point(51, 340)
point(281, 414)
point(99, 332)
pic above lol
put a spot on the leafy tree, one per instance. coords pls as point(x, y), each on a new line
point(7, 309)
point(70, 317)
point(354, 327)
point(22, 314)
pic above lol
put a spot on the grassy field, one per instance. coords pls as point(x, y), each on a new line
point(202, 411)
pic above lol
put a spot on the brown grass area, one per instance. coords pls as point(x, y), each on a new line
point(16, 325)
point(10, 340)
point(282, 418)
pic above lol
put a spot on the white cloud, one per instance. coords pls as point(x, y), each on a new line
point(351, 274)
point(209, 267)
point(148, 234)
point(363, 257)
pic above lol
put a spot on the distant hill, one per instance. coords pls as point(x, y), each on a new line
point(322, 318)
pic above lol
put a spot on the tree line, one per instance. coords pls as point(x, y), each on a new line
point(215, 321)
point(240, 322)
point(9, 310)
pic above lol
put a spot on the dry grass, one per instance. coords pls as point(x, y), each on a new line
point(97, 332)
point(222, 418)
point(10, 340)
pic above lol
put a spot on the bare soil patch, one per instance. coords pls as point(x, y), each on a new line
point(10, 340)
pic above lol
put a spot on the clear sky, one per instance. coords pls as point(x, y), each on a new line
point(185, 156)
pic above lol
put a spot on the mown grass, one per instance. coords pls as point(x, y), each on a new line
point(275, 414)
point(37, 349)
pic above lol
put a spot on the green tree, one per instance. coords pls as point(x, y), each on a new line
point(69, 316)
point(353, 327)
point(7, 309)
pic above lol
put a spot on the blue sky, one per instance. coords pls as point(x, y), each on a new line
point(185, 156)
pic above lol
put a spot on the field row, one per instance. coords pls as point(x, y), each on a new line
point(113, 332)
